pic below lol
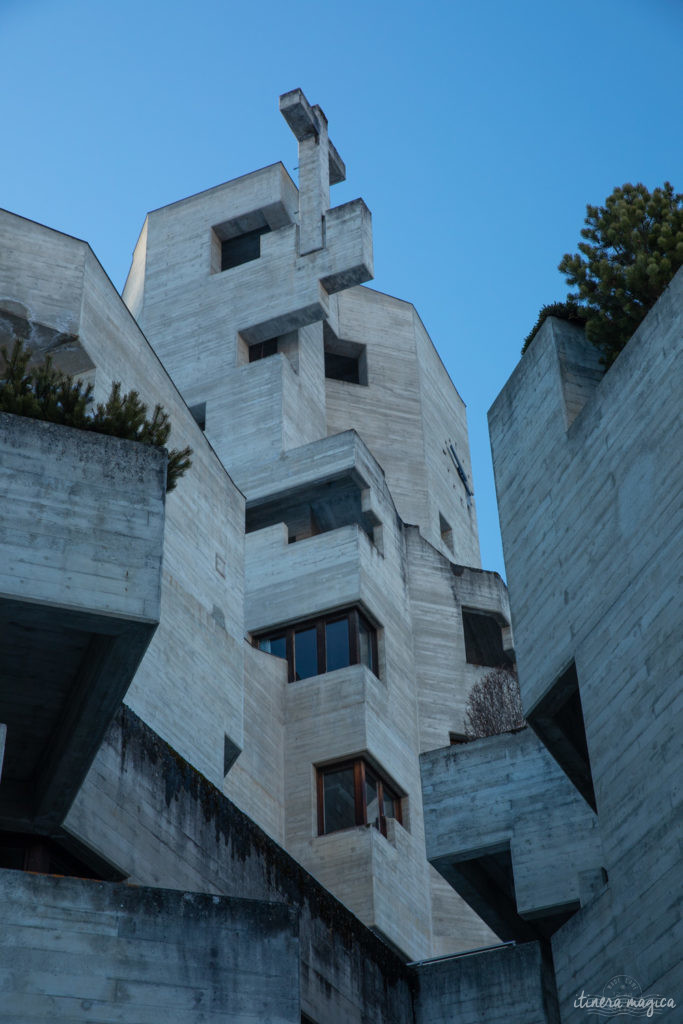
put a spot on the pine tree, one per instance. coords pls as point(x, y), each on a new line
point(633, 247)
point(43, 392)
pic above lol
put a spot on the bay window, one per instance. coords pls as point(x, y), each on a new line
point(353, 793)
point(323, 644)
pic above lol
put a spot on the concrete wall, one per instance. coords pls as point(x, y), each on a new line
point(439, 589)
point(588, 474)
point(83, 519)
point(512, 983)
point(406, 415)
point(352, 712)
point(100, 952)
point(150, 813)
point(81, 541)
point(190, 683)
point(506, 793)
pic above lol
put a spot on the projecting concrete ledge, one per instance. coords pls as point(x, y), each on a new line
point(510, 833)
point(80, 577)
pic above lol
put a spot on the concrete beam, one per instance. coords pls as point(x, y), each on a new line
point(506, 827)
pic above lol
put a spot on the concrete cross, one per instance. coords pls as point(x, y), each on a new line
point(319, 167)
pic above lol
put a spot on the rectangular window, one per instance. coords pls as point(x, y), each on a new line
point(344, 360)
point(353, 793)
point(242, 248)
point(337, 647)
point(306, 653)
point(324, 644)
point(484, 640)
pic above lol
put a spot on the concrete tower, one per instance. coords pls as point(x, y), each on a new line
point(331, 410)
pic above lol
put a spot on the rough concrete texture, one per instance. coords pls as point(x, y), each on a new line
point(83, 519)
point(81, 542)
point(588, 474)
point(100, 952)
point(190, 683)
point(331, 409)
point(497, 986)
point(351, 711)
point(353, 456)
point(161, 823)
point(506, 793)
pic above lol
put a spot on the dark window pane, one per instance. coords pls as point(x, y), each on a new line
point(342, 367)
point(338, 797)
point(371, 799)
point(242, 249)
point(483, 640)
point(275, 645)
point(365, 644)
point(337, 642)
point(305, 653)
point(261, 349)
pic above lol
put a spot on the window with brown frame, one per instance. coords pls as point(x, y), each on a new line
point(323, 644)
point(352, 793)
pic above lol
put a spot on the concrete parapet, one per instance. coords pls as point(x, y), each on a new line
point(102, 952)
point(80, 580)
point(510, 983)
point(508, 830)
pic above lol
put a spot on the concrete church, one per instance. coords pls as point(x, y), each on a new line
point(217, 704)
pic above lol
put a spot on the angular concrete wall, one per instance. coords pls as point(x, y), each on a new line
point(147, 811)
point(496, 986)
point(506, 795)
point(81, 540)
point(190, 683)
point(589, 475)
point(100, 952)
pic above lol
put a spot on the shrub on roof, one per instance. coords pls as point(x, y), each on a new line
point(45, 393)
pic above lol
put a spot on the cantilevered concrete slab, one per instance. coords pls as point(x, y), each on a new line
point(80, 579)
point(510, 833)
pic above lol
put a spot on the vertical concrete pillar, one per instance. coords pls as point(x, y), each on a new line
point(319, 166)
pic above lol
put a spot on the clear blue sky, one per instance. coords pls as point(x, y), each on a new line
point(475, 131)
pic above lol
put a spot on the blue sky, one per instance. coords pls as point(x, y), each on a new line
point(476, 132)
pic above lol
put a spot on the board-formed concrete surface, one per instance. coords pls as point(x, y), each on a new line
point(496, 986)
point(81, 541)
point(189, 685)
point(100, 952)
point(588, 475)
point(162, 824)
point(330, 408)
point(505, 796)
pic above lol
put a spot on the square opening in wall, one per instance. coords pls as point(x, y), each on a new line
point(238, 241)
point(484, 639)
point(344, 360)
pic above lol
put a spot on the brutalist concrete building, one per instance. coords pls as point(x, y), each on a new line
point(225, 692)
point(216, 703)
